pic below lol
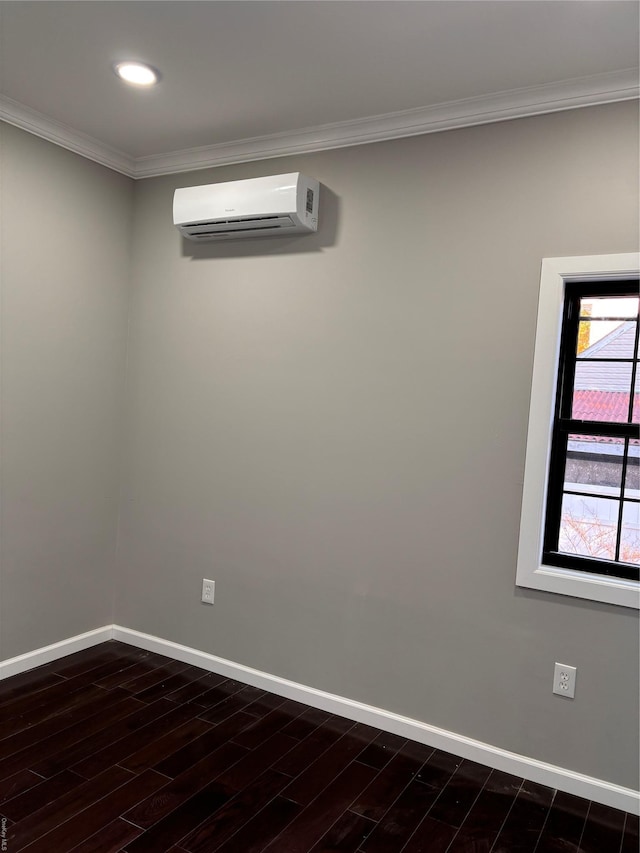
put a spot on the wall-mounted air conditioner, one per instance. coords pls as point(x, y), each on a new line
point(259, 207)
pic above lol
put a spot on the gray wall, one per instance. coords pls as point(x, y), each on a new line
point(307, 420)
point(333, 428)
point(64, 269)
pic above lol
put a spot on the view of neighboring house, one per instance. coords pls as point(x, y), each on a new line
point(601, 389)
point(593, 476)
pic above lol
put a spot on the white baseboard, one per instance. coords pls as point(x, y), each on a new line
point(501, 759)
point(30, 660)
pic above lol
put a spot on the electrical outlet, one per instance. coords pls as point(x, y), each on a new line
point(564, 680)
point(208, 591)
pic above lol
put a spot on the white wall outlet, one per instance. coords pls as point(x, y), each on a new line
point(208, 591)
point(564, 680)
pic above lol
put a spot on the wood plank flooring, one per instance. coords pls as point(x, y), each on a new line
point(117, 749)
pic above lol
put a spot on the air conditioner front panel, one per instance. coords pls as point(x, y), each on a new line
point(276, 204)
point(272, 195)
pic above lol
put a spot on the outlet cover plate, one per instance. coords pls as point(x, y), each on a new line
point(564, 680)
point(208, 591)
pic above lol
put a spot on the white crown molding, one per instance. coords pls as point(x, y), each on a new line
point(502, 106)
point(40, 125)
point(486, 109)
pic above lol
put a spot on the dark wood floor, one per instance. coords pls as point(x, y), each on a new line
point(115, 749)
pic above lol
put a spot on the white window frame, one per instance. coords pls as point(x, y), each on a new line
point(531, 572)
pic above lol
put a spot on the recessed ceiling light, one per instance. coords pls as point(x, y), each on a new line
point(136, 73)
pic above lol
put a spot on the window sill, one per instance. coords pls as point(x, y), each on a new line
point(582, 585)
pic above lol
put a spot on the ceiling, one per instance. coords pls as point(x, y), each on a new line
point(244, 80)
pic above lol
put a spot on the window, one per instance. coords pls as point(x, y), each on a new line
point(593, 508)
point(580, 525)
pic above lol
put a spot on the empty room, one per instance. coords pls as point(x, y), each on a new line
point(319, 426)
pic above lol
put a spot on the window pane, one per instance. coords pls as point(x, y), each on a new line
point(636, 399)
point(601, 391)
point(606, 339)
point(632, 479)
point(594, 465)
point(588, 526)
point(630, 534)
point(609, 306)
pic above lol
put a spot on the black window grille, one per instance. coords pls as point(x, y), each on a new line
point(593, 491)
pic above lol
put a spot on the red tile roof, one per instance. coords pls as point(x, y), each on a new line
point(604, 406)
point(601, 387)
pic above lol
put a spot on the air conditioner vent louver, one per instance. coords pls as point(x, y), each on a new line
point(237, 219)
point(233, 226)
point(285, 204)
point(222, 233)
